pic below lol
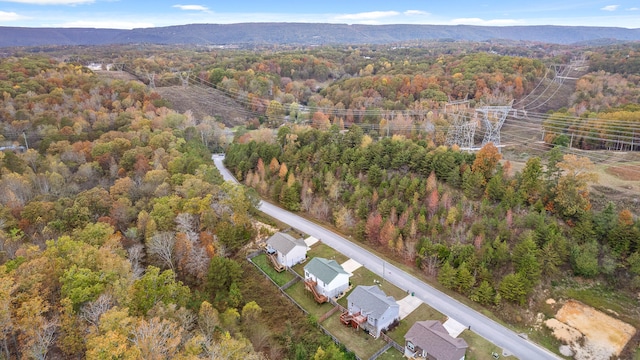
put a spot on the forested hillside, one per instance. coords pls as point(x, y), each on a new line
point(119, 238)
point(256, 33)
point(467, 220)
point(117, 234)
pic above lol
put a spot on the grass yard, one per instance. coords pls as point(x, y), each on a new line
point(391, 354)
point(323, 251)
point(305, 298)
point(263, 263)
point(357, 341)
point(480, 348)
point(362, 276)
point(423, 312)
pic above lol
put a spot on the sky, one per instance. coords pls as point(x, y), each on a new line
point(129, 14)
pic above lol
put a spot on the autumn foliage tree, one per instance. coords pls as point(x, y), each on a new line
point(571, 192)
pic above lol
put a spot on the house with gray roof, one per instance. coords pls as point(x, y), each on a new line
point(330, 279)
point(430, 340)
point(287, 249)
point(373, 310)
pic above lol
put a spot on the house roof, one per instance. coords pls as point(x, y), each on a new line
point(325, 270)
point(284, 243)
point(431, 336)
point(372, 300)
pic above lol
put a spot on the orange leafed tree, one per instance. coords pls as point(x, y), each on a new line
point(486, 160)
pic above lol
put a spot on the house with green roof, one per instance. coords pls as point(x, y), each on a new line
point(331, 280)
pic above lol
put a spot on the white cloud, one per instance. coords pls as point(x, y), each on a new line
point(610, 8)
point(9, 16)
point(51, 2)
point(371, 15)
point(191, 7)
point(416, 13)
point(106, 24)
point(633, 9)
point(493, 22)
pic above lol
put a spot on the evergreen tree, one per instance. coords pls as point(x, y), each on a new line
point(464, 279)
point(472, 184)
point(584, 259)
point(531, 185)
point(485, 294)
point(447, 275)
point(525, 259)
point(513, 287)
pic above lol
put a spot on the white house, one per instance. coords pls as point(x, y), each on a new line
point(372, 309)
point(288, 251)
point(430, 340)
point(330, 278)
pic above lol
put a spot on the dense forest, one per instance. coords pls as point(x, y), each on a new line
point(402, 86)
point(118, 236)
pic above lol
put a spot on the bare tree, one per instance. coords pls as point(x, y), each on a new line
point(45, 336)
point(320, 209)
point(92, 311)
point(307, 201)
point(188, 223)
point(161, 246)
point(157, 339)
point(136, 255)
point(198, 263)
point(431, 264)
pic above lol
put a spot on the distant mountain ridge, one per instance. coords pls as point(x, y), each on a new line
point(308, 34)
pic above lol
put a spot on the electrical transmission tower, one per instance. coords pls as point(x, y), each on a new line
point(462, 131)
point(493, 118)
point(152, 79)
point(184, 76)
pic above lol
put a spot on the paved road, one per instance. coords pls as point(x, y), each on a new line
point(480, 324)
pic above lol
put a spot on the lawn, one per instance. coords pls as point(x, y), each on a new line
point(305, 299)
point(391, 354)
point(320, 250)
point(480, 348)
point(324, 251)
point(362, 276)
point(263, 263)
point(423, 312)
point(359, 342)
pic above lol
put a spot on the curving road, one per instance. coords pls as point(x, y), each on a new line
point(480, 324)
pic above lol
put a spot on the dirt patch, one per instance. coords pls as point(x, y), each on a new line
point(563, 332)
point(115, 75)
point(591, 334)
point(625, 172)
